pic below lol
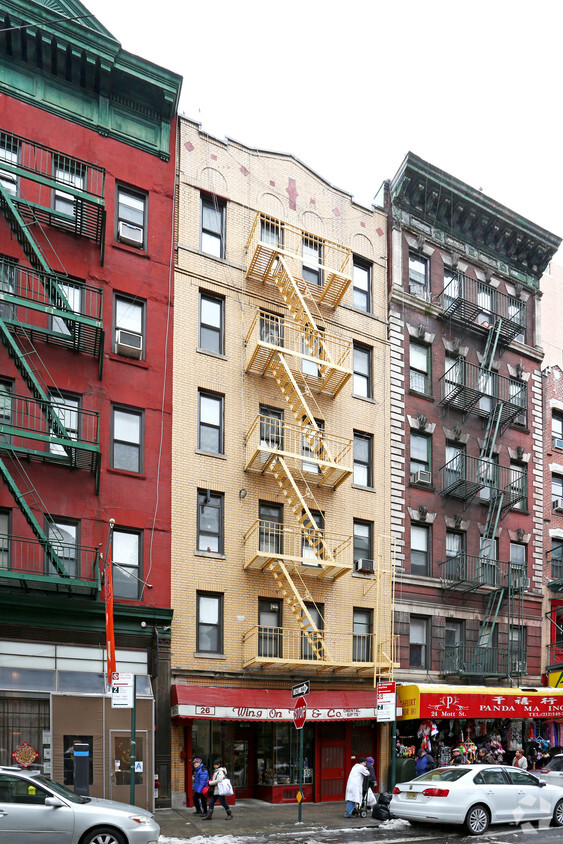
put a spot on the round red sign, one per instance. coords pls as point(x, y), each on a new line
point(300, 712)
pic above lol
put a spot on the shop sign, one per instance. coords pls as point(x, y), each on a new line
point(25, 754)
point(498, 704)
point(122, 690)
point(386, 701)
point(248, 713)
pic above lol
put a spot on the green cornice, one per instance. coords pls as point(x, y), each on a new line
point(457, 212)
point(78, 70)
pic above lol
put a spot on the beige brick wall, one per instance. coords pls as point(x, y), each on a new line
point(250, 181)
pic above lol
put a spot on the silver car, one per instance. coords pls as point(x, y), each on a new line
point(34, 809)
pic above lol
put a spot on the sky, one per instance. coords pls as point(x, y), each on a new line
point(349, 88)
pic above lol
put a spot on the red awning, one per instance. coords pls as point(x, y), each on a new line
point(236, 704)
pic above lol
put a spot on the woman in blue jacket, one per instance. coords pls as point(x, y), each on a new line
point(201, 778)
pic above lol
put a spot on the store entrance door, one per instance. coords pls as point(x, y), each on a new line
point(120, 767)
point(243, 770)
point(333, 769)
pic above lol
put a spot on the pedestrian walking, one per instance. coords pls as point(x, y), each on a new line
point(201, 778)
point(424, 762)
point(520, 761)
point(372, 778)
point(484, 757)
point(219, 774)
point(354, 786)
point(457, 757)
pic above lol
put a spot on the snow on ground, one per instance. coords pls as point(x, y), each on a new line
point(395, 823)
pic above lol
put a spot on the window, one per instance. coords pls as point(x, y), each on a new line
point(67, 408)
point(127, 556)
point(212, 323)
point(455, 568)
point(312, 251)
point(129, 320)
point(518, 397)
point(7, 285)
point(363, 450)
point(419, 371)
point(210, 521)
point(557, 428)
point(362, 372)
point(71, 173)
point(361, 280)
point(363, 540)
point(312, 447)
point(312, 345)
point(271, 427)
point(127, 439)
point(63, 536)
point(454, 469)
point(73, 293)
point(518, 649)
point(271, 328)
point(454, 375)
point(316, 611)
point(311, 544)
point(418, 276)
point(211, 425)
point(518, 564)
point(517, 314)
point(270, 634)
point(271, 232)
point(421, 448)
point(418, 642)
point(420, 550)
point(487, 474)
point(518, 485)
point(209, 622)
point(131, 217)
point(453, 288)
point(213, 226)
point(556, 559)
point(485, 302)
point(362, 635)
point(488, 568)
point(556, 492)
point(6, 389)
point(9, 155)
point(487, 385)
point(453, 644)
point(4, 540)
point(271, 527)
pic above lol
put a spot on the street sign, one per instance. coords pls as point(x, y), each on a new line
point(122, 690)
point(300, 713)
point(386, 705)
point(301, 689)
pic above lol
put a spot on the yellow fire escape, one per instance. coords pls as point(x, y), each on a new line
point(40, 187)
point(303, 360)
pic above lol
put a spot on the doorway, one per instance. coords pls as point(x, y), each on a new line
point(120, 771)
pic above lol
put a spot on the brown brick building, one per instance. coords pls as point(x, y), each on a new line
point(281, 547)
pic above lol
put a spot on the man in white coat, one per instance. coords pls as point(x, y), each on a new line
point(355, 785)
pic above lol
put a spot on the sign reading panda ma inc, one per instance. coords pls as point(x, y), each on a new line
point(122, 690)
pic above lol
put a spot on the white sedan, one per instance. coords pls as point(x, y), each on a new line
point(476, 796)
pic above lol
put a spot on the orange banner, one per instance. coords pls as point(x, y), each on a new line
point(107, 581)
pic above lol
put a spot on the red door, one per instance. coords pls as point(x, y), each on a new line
point(333, 770)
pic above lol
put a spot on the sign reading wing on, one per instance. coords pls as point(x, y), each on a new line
point(426, 701)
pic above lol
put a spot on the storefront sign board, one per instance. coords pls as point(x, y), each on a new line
point(386, 701)
point(426, 701)
point(247, 713)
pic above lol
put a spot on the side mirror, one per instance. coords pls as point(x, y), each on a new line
point(54, 802)
point(542, 783)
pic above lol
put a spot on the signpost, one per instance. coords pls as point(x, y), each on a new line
point(299, 718)
point(387, 711)
point(124, 696)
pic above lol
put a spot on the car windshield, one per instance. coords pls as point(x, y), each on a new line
point(61, 790)
point(443, 775)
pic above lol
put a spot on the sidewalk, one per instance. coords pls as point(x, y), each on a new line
point(255, 818)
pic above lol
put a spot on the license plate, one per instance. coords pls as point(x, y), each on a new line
point(411, 795)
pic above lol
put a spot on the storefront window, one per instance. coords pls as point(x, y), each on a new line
point(277, 754)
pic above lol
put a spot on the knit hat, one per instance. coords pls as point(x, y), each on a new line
point(197, 759)
point(369, 759)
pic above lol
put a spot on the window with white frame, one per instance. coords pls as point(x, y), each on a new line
point(362, 626)
point(312, 253)
point(363, 540)
point(209, 622)
point(127, 439)
point(4, 540)
point(518, 649)
point(212, 323)
point(8, 284)
point(210, 526)
point(420, 550)
point(8, 155)
point(361, 275)
point(418, 642)
point(73, 293)
point(556, 492)
point(518, 485)
point(64, 537)
point(453, 287)
point(419, 276)
point(363, 459)
point(127, 556)
point(6, 408)
point(129, 326)
point(312, 446)
point(213, 226)
point(271, 328)
point(131, 217)
point(518, 562)
point(67, 409)
point(557, 428)
point(419, 368)
point(312, 546)
point(211, 422)
point(72, 173)
point(420, 457)
point(456, 564)
point(362, 371)
point(518, 397)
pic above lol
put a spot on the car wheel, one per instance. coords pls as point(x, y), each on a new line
point(477, 819)
point(104, 835)
point(557, 819)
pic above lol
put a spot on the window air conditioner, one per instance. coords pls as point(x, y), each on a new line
point(422, 477)
point(363, 565)
point(129, 344)
point(133, 235)
point(519, 666)
point(557, 505)
point(521, 582)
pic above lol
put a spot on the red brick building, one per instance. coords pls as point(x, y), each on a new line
point(467, 471)
point(87, 139)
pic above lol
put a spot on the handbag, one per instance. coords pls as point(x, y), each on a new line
point(224, 787)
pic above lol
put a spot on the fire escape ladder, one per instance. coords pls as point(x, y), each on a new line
point(311, 632)
point(20, 499)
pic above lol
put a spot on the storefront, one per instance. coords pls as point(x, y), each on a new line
point(252, 731)
point(439, 718)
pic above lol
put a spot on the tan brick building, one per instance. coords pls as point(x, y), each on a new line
point(281, 563)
